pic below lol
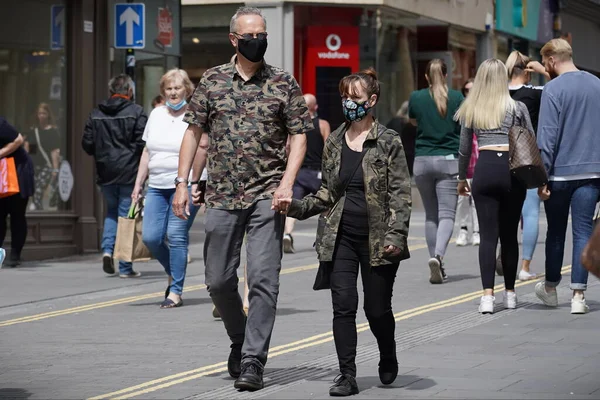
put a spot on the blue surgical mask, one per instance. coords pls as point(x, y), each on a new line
point(355, 111)
point(176, 107)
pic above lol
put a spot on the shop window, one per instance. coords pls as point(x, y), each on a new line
point(33, 89)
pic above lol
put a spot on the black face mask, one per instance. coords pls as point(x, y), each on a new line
point(253, 49)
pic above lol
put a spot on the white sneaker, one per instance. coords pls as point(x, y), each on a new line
point(578, 305)
point(288, 244)
point(526, 276)
point(462, 238)
point(510, 300)
point(476, 240)
point(436, 273)
point(486, 305)
point(548, 298)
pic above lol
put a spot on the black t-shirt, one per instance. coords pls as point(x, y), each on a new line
point(49, 141)
point(531, 97)
point(8, 134)
point(355, 205)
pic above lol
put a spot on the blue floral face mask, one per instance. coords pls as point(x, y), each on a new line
point(355, 111)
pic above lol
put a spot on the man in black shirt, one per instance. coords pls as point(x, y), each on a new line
point(309, 176)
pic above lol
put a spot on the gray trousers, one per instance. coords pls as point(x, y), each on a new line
point(225, 230)
point(435, 177)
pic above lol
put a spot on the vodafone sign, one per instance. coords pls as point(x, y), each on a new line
point(329, 46)
point(333, 44)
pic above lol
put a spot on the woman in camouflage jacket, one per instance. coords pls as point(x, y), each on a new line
point(366, 188)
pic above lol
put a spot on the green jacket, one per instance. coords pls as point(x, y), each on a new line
point(387, 190)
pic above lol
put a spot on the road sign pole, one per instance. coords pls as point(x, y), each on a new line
point(130, 68)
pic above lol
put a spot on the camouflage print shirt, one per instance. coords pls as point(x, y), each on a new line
point(248, 123)
point(387, 192)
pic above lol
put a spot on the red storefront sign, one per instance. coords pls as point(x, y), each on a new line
point(165, 27)
point(329, 46)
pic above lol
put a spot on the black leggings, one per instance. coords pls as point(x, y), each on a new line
point(499, 198)
point(15, 206)
point(351, 250)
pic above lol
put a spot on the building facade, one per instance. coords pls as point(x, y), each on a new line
point(321, 41)
point(56, 58)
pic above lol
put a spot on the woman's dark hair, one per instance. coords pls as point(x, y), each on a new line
point(464, 86)
point(368, 81)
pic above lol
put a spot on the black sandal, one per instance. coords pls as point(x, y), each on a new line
point(168, 303)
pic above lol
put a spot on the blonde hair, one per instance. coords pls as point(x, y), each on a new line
point(174, 74)
point(557, 48)
point(516, 63)
point(436, 75)
point(489, 99)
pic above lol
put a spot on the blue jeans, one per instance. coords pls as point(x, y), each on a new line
point(118, 201)
point(531, 221)
point(160, 225)
point(581, 197)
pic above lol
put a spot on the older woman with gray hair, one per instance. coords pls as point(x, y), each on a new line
point(165, 235)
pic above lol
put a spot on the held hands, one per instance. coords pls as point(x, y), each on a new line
point(181, 206)
point(283, 205)
point(282, 198)
point(463, 188)
point(544, 193)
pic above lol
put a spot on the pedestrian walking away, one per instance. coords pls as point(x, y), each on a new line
point(366, 187)
point(241, 115)
point(436, 161)
point(489, 112)
point(408, 133)
point(165, 235)
point(520, 69)
point(15, 205)
point(309, 176)
point(568, 126)
point(466, 214)
point(113, 136)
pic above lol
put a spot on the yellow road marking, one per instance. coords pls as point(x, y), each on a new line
point(133, 299)
point(172, 380)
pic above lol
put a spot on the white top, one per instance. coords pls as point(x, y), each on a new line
point(163, 135)
point(204, 175)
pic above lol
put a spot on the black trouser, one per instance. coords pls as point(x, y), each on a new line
point(351, 250)
point(15, 206)
point(499, 198)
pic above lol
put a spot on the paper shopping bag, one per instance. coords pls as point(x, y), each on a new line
point(129, 246)
point(9, 182)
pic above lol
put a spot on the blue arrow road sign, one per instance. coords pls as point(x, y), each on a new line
point(57, 27)
point(130, 26)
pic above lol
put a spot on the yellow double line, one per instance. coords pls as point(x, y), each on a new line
point(172, 380)
point(133, 299)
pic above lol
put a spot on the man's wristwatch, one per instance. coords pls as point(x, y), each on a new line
point(179, 180)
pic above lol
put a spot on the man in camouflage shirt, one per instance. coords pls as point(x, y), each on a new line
point(241, 115)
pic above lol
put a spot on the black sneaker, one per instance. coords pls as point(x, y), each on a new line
point(235, 358)
point(251, 377)
point(344, 385)
point(388, 370)
point(288, 244)
point(108, 264)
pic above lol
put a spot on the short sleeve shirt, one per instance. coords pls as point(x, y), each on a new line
point(163, 136)
point(436, 135)
point(248, 123)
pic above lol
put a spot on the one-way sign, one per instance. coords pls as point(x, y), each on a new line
point(130, 26)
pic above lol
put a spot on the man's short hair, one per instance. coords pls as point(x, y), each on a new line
point(557, 48)
point(244, 10)
point(120, 84)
